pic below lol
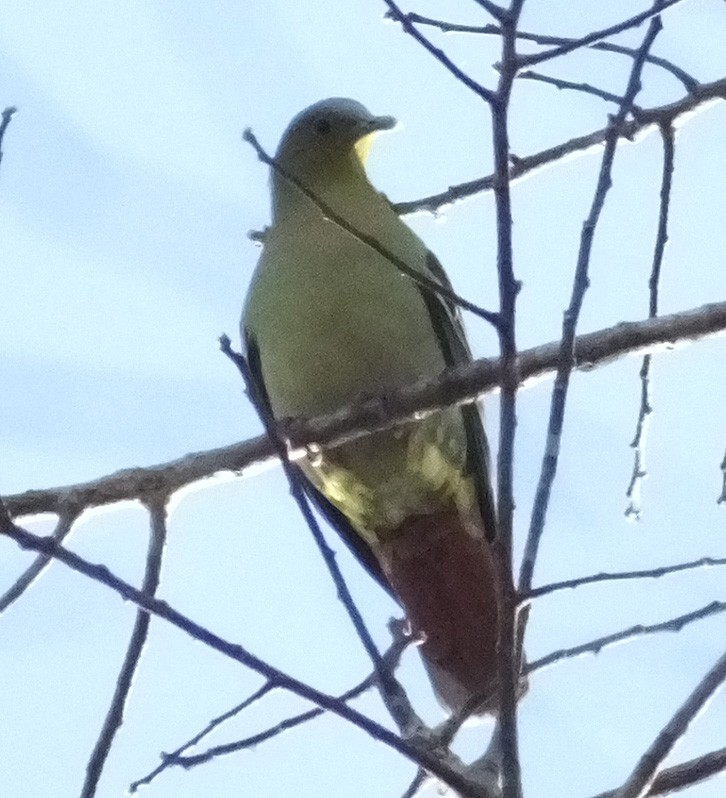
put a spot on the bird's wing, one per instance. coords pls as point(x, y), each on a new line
point(355, 543)
point(447, 324)
point(446, 321)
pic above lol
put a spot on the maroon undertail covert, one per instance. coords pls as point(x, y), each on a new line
point(444, 576)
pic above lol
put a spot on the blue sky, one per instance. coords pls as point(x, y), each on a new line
point(125, 199)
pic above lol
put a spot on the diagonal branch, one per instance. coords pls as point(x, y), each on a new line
point(5, 118)
point(580, 284)
point(417, 783)
point(647, 120)
point(647, 573)
point(689, 82)
point(66, 519)
point(567, 360)
point(632, 633)
point(394, 12)
point(392, 692)
point(444, 766)
point(640, 780)
point(464, 384)
point(496, 11)
point(390, 660)
point(687, 774)
point(638, 443)
point(595, 36)
point(139, 635)
point(169, 759)
point(559, 83)
point(370, 241)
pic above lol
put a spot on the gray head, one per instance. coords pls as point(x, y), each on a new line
point(330, 130)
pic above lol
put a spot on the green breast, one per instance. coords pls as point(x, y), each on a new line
point(334, 320)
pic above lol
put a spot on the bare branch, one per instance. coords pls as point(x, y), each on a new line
point(419, 781)
point(508, 659)
point(648, 573)
point(390, 661)
point(444, 767)
point(634, 632)
point(647, 120)
point(580, 284)
point(640, 780)
point(595, 36)
point(450, 27)
point(5, 118)
point(169, 759)
point(392, 692)
point(639, 473)
point(687, 774)
point(496, 11)
point(63, 527)
point(464, 384)
point(331, 215)
point(394, 12)
point(137, 641)
point(638, 443)
point(689, 82)
point(722, 498)
point(585, 88)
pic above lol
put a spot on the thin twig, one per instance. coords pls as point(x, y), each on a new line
point(646, 408)
point(722, 498)
point(5, 118)
point(632, 22)
point(137, 641)
point(637, 785)
point(687, 774)
point(496, 11)
point(392, 692)
point(418, 782)
point(689, 82)
point(66, 519)
point(448, 27)
point(390, 658)
point(647, 119)
point(585, 88)
point(332, 216)
point(454, 386)
point(446, 768)
point(638, 474)
point(647, 573)
point(580, 285)
point(394, 12)
point(634, 632)
point(170, 758)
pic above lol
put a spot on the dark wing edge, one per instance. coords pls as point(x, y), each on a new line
point(446, 320)
point(334, 517)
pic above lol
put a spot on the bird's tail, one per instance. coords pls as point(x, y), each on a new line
point(444, 575)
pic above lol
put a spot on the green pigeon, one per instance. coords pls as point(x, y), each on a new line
point(328, 320)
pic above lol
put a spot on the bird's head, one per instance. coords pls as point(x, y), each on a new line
point(328, 136)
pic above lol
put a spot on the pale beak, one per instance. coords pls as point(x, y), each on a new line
point(374, 126)
point(382, 123)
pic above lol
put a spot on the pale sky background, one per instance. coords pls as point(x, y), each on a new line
point(125, 199)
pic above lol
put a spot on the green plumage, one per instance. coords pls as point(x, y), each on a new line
point(332, 320)
point(329, 320)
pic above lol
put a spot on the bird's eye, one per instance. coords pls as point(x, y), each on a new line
point(323, 127)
